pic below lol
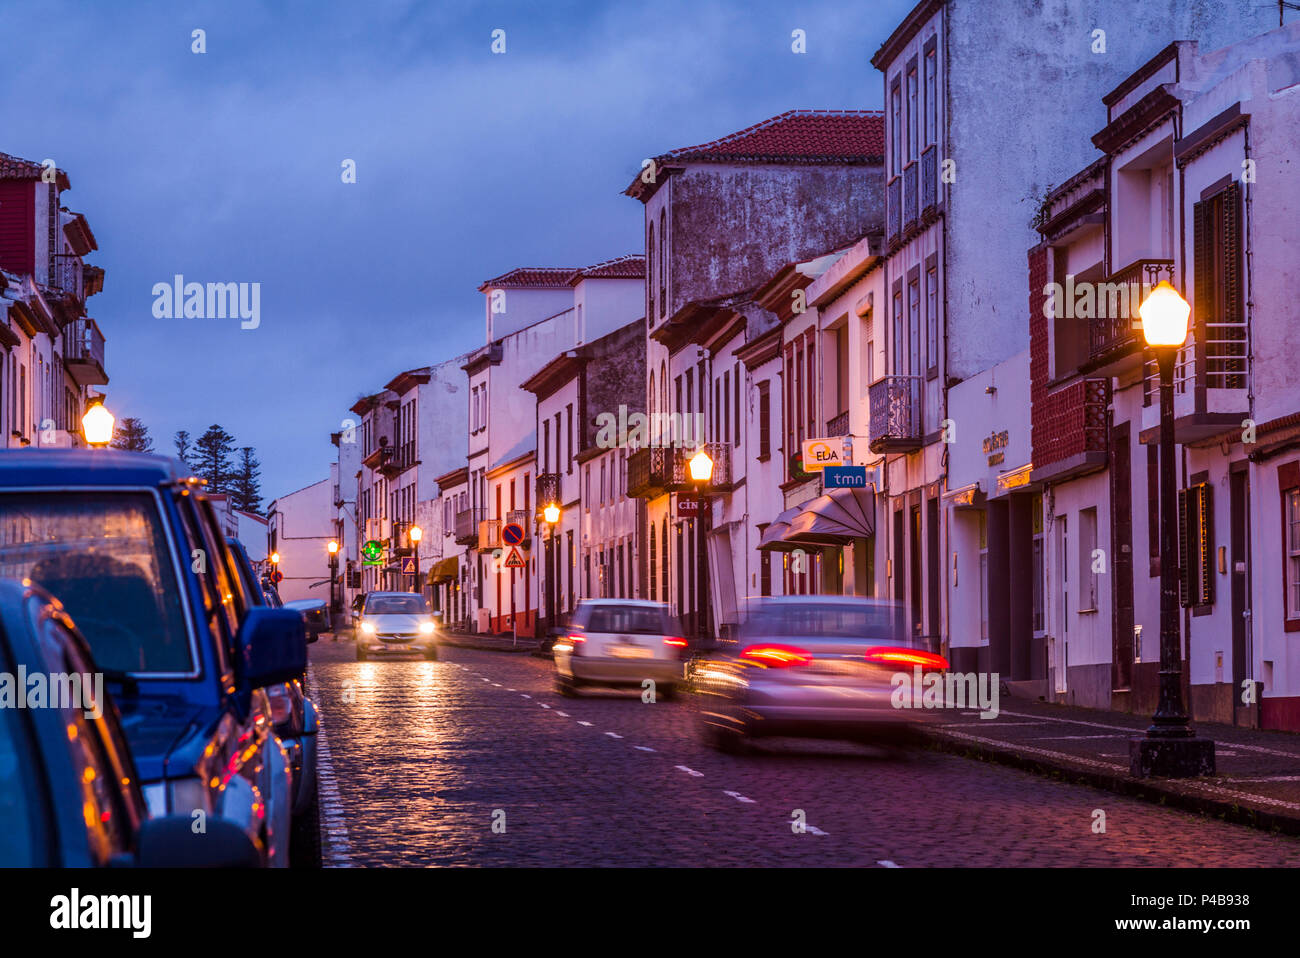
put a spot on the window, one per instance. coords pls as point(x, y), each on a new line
point(1088, 564)
point(546, 446)
point(654, 582)
point(1196, 544)
point(736, 387)
point(1220, 323)
point(811, 387)
point(900, 341)
point(1291, 535)
point(912, 112)
point(764, 420)
point(587, 486)
point(650, 271)
point(663, 263)
point(914, 362)
point(569, 462)
point(1037, 520)
point(602, 482)
point(984, 575)
point(932, 318)
point(895, 127)
point(931, 93)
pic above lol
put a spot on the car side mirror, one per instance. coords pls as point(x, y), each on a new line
point(272, 647)
point(172, 843)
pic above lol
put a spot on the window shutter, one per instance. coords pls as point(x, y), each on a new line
point(1203, 265)
point(1234, 330)
point(1205, 529)
point(1184, 550)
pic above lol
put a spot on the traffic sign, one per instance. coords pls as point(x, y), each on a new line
point(408, 565)
point(515, 560)
point(845, 477)
point(372, 552)
point(277, 576)
point(512, 534)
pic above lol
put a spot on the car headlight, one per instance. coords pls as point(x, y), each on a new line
point(368, 627)
point(426, 628)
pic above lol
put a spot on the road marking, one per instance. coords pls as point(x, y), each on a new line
point(613, 735)
point(496, 685)
point(588, 724)
point(643, 748)
point(543, 705)
point(1069, 738)
point(740, 798)
point(561, 714)
point(689, 771)
point(886, 863)
point(525, 695)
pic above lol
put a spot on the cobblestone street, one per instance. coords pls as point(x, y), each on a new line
point(423, 757)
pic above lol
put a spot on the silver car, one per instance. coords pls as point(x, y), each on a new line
point(812, 667)
point(620, 642)
point(396, 623)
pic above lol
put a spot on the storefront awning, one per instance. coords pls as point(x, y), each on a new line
point(444, 570)
point(835, 519)
point(773, 535)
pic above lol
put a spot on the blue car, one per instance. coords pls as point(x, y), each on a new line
point(126, 542)
point(69, 792)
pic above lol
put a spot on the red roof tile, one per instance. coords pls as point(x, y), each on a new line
point(844, 135)
point(16, 168)
point(526, 276)
point(631, 266)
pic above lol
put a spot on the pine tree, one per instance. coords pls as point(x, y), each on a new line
point(245, 484)
point(133, 435)
point(183, 446)
point(212, 458)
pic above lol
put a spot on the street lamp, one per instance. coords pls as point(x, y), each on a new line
point(275, 558)
point(97, 425)
point(701, 469)
point(551, 513)
point(415, 533)
point(1170, 747)
point(333, 549)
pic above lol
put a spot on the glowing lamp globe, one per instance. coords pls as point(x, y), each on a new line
point(1164, 316)
point(701, 467)
point(97, 425)
point(551, 513)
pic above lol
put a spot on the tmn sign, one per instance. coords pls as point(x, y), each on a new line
point(844, 477)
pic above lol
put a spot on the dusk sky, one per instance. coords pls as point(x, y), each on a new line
point(225, 167)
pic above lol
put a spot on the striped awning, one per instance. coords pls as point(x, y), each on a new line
point(834, 519)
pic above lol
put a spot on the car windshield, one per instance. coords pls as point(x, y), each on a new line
point(104, 556)
point(866, 622)
point(626, 619)
point(397, 605)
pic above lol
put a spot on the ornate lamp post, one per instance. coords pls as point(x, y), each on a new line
point(701, 469)
point(1170, 747)
point(415, 533)
point(333, 549)
point(551, 513)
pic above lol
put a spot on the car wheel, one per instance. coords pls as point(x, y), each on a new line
point(667, 691)
point(566, 687)
point(727, 741)
point(304, 837)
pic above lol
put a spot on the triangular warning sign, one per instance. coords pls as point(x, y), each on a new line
point(514, 560)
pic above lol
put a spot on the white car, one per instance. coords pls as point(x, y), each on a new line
point(396, 623)
point(620, 642)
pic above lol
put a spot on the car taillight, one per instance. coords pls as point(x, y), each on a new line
point(678, 643)
point(898, 657)
point(776, 656)
point(577, 641)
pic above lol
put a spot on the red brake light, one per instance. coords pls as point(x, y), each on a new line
point(776, 656)
point(576, 641)
point(672, 640)
point(899, 657)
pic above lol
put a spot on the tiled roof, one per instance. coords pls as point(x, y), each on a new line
point(16, 168)
point(631, 266)
point(844, 135)
point(525, 276)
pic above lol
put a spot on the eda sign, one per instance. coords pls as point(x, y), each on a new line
point(820, 453)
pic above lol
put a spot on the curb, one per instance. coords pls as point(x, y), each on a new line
point(465, 642)
point(1156, 791)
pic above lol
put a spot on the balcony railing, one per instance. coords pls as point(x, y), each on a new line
point(649, 472)
point(83, 352)
point(929, 179)
point(909, 195)
point(549, 489)
point(895, 414)
point(489, 534)
point(467, 521)
point(719, 452)
point(68, 275)
point(1115, 329)
point(894, 209)
point(839, 426)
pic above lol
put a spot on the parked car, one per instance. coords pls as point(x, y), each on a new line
point(123, 541)
point(810, 666)
point(69, 791)
point(315, 615)
point(296, 724)
point(396, 623)
point(620, 643)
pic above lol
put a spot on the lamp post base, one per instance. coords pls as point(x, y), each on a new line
point(1187, 757)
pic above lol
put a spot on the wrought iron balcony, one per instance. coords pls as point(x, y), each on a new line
point(489, 535)
point(650, 472)
point(467, 521)
point(909, 195)
point(894, 209)
point(719, 452)
point(68, 275)
point(550, 489)
point(839, 426)
point(83, 352)
point(895, 414)
point(929, 179)
point(1114, 332)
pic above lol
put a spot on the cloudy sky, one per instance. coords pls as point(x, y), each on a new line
point(225, 167)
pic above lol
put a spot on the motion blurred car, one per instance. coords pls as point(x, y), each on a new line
point(315, 616)
point(396, 623)
point(811, 667)
point(69, 792)
point(620, 643)
point(131, 548)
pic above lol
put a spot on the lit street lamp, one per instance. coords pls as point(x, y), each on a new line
point(415, 533)
point(551, 513)
point(97, 425)
point(701, 469)
point(333, 548)
point(1170, 747)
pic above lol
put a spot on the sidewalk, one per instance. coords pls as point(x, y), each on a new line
point(1257, 779)
point(491, 643)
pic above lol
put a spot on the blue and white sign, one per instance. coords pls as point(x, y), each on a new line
point(845, 477)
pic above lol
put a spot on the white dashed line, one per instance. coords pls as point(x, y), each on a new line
point(588, 724)
point(813, 829)
point(525, 695)
point(740, 798)
point(689, 771)
point(886, 863)
point(561, 714)
point(613, 735)
point(543, 705)
point(643, 748)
